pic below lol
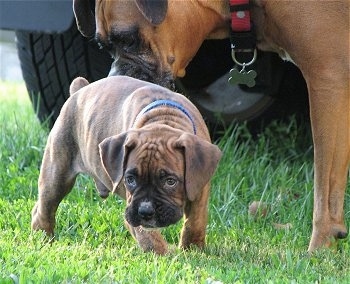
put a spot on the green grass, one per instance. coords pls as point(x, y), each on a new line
point(94, 247)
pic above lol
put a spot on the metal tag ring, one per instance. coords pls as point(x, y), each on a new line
point(233, 54)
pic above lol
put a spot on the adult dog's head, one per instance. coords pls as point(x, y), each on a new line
point(153, 40)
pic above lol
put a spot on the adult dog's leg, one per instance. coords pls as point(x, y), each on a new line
point(321, 51)
point(330, 118)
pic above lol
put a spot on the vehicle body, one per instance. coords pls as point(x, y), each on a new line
point(52, 53)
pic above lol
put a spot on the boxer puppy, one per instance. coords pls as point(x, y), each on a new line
point(136, 139)
point(156, 39)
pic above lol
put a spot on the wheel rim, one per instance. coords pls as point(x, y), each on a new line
point(221, 101)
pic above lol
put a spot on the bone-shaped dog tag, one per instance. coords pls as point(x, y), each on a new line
point(242, 77)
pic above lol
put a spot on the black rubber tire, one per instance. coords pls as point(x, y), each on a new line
point(49, 62)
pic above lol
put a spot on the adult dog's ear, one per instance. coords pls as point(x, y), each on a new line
point(153, 10)
point(114, 152)
point(201, 160)
point(84, 17)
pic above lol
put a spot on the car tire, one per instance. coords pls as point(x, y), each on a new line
point(49, 63)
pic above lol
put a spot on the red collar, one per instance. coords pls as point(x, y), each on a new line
point(240, 15)
point(243, 41)
point(242, 32)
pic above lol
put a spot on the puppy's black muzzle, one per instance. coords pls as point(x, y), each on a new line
point(146, 211)
point(152, 215)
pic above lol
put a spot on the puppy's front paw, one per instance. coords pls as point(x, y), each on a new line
point(190, 238)
point(149, 241)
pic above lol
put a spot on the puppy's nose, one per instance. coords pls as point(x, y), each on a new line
point(146, 210)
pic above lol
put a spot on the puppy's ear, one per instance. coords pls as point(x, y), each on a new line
point(153, 10)
point(113, 153)
point(201, 160)
point(77, 84)
point(84, 17)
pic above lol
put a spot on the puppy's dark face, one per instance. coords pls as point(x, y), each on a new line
point(154, 182)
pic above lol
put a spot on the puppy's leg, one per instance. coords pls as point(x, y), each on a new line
point(330, 117)
point(103, 191)
point(148, 240)
point(196, 219)
point(56, 180)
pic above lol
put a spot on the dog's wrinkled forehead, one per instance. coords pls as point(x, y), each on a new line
point(151, 147)
point(117, 17)
point(155, 153)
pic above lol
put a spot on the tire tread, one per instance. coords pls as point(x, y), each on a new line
point(49, 63)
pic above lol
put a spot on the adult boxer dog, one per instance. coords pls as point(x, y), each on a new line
point(138, 140)
point(156, 39)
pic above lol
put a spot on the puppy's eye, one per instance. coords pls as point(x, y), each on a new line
point(170, 182)
point(130, 181)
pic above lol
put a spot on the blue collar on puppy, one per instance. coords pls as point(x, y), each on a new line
point(167, 103)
